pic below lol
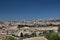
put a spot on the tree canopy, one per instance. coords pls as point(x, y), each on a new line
point(11, 38)
point(52, 36)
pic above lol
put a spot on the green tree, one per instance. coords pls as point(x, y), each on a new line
point(52, 36)
point(33, 34)
point(59, 29)
point(19, 26)
point(11, 38)
point(27, 36)
point(21, 34)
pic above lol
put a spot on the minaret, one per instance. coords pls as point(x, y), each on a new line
point(24, 22)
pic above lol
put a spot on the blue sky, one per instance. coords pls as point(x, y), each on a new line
point(29, 9)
